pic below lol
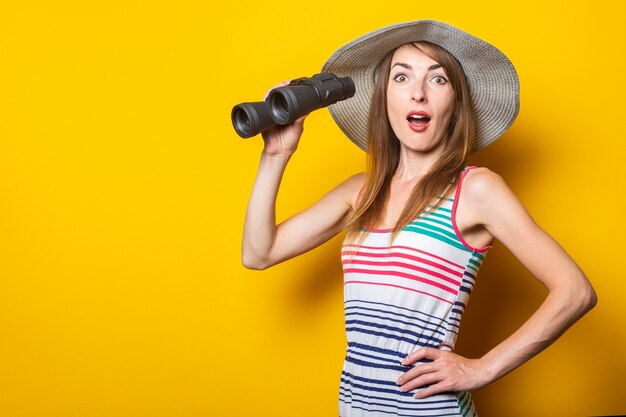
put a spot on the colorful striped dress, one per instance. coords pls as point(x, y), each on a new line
point(399, 298)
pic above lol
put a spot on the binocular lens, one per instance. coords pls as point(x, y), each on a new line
point(279, 107)
point(250, 119)
point(241, 122)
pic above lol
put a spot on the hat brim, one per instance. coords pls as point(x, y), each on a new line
point(492, 79)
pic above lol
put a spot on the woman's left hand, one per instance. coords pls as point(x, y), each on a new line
point(447, 372)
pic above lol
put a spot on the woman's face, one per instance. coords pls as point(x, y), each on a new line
point(420, 100)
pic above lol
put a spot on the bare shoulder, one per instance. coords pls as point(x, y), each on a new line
point(486, 195)
point(491, 202)
point(482, 182)
point(483, 188)
point(351, 187)
point(357, 180)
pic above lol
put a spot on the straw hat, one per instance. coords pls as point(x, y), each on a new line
point(492, 79)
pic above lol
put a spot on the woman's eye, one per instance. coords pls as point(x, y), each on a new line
point(400, 78)
point(439, 80)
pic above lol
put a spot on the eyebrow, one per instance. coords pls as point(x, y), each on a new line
point(407, 66)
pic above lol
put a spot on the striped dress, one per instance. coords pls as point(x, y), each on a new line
point(399, 298)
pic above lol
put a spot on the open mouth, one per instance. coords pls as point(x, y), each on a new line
point(418, 120)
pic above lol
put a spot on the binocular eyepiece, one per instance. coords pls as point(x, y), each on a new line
point(285, 104)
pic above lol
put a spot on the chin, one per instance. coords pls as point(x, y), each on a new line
point(421, 146)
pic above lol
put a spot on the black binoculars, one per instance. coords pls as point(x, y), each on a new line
point(284, 105)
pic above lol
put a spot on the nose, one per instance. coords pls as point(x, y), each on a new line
point(419, 93)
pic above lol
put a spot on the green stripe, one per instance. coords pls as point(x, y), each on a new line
point(474, 262)
point(434, 228)
point(441, 216)
point(472, 407)
point(463, 404)
point(444, 224)
point(454, 243)
point(479, 256)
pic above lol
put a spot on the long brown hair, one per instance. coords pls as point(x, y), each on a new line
point(383, 150)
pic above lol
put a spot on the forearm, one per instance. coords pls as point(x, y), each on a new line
point(260, 223)
point(451, 372)
point(561, 308)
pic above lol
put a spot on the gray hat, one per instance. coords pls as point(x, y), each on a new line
point(491, 77)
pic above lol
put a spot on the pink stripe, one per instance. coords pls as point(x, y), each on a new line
point(403, 265)
point(405, 256)
point(407, 248)
point(398, 286)
point(401, 275)
point(455, 204)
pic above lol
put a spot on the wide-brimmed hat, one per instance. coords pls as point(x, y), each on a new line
point(491, 77)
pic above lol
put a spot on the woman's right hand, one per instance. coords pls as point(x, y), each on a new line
point(282, 140)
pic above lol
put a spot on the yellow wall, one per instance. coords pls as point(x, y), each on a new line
point(123, 189)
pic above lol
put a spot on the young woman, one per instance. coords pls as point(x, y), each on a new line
point(419, 222)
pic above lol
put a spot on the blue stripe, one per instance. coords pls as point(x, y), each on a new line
point(398, 401)
point(395, 337)
point(347, 378)
point(468, 282)
point(389, 352)
point(355, 397)
point(376, 310)
point(397, 414)
point(357, 348)
point(402, 339)
point(354, 353)
point(396, 407)
point(399, 368)
point(396, 321)
point(397, 391)
point(393, 306)
point(384, 327)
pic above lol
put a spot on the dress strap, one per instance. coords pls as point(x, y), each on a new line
point(455, 205)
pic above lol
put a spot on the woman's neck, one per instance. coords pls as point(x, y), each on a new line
point(414, 165)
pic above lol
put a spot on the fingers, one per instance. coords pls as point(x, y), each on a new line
point(420, 381)
point(431, 374)
point(416, 372)
point(423, 353)
point(300, 121)
point(281, 84)
point(431, 390)
point(428, 376)
point(446, 372)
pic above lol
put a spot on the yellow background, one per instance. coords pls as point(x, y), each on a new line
point(123, 189)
